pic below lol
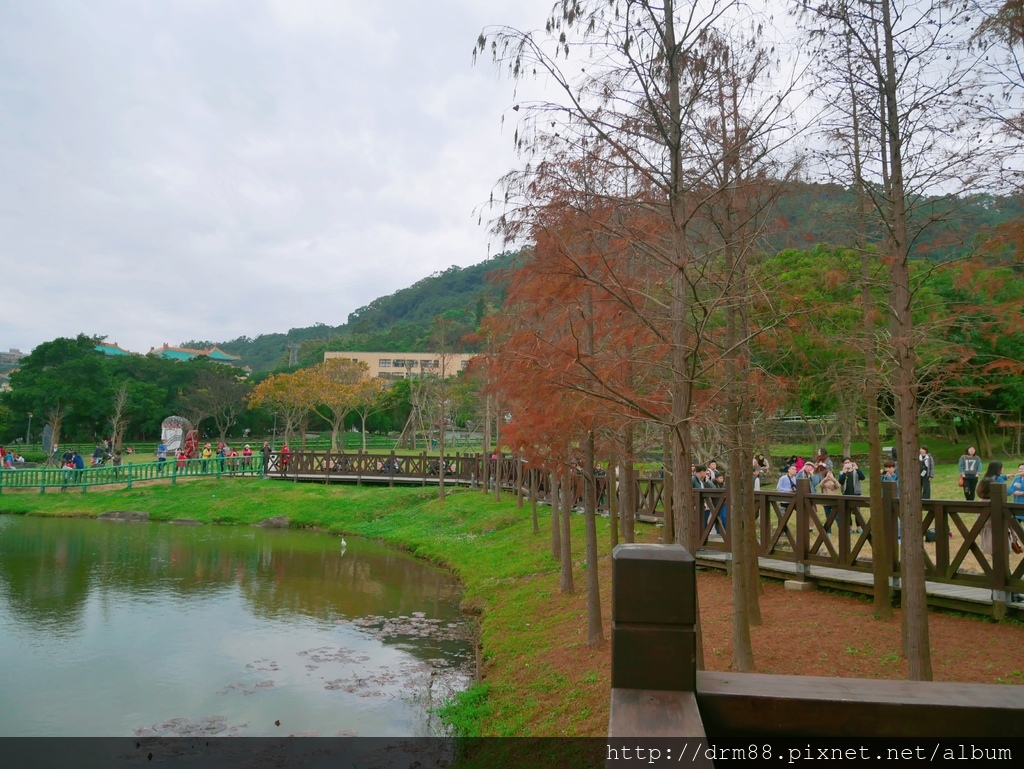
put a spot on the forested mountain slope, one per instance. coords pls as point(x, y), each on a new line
point(398, 322)
point(804, 215)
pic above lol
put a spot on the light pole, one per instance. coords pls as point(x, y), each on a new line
point(28, 432)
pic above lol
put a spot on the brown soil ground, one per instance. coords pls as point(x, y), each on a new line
point(804, 633)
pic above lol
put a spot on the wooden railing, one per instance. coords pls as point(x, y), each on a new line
point(804, 529)
point(795, 528)
point(63, 479)
point(658, 692)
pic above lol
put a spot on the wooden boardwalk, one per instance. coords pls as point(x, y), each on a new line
point(793, 530)
point(940, 594)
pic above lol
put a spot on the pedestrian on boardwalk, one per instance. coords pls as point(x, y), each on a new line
point(265, 453)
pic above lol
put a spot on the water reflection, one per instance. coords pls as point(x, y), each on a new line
point(65, 585)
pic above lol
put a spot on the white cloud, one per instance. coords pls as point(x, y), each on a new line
point(210, 169)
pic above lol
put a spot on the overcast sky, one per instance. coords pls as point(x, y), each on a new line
point(179, 169)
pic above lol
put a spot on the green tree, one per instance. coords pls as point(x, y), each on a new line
point(68, 374)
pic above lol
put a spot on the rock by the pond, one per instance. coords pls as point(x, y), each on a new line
point(277, 522)
point(129, 516)
point(187, 522)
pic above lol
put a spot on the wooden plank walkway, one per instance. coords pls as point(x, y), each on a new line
point(399, 480)
point(939, 593)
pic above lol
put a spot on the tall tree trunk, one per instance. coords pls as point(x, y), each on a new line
point(553, 500)
point(629, 500)
point(595, 633)
point(881, 558)
point(533, 499)
point(915, 600)
point(497, 451)
point(612, 490)
point(880, 535)
point(667, 487)
point(485, 467)
point(568, 495)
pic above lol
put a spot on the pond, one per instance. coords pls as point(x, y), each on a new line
point(147, 629)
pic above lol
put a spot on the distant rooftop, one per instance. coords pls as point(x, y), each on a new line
point(185, 353)
point(112, 348)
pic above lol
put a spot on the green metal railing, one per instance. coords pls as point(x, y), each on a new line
point(63, 478)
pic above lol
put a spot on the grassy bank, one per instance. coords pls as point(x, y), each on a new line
point(508, 574)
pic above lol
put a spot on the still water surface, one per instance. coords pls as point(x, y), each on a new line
point(121, 629)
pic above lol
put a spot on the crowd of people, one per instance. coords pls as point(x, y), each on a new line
point(225, 459)
point(820, 472)
point(10, 460)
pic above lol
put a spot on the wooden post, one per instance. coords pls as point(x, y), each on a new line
point(891, 509)
point(519, 481)
point(533, 500)
point(391, 470)
point(891, 512)
point(800, 517)
point(654, 667)
point(1000, 550)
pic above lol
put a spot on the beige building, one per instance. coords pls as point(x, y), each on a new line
point(406, 365)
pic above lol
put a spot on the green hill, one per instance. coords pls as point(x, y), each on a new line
point(805, 214)
point(394, 323)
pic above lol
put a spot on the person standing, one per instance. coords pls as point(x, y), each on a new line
point(1015, 491)
point(927, 464)
point(79, 465)
point(823, 461)
point(701, 479)
point(787, 483)
point(207, 455)
point(850, 478)
point(829, 484)
point(970, 471)
point(265, 453)
point(810, 472)
point(161, 457)
point(993, 474)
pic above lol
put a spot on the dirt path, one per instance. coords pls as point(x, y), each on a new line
point(804, 633)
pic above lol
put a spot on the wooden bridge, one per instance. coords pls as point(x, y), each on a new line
point(803, 537)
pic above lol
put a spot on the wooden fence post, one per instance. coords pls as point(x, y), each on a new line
point(654, 669)
point(800, 517)
point(519, 481)
point(891, 509)
point(1000, 550)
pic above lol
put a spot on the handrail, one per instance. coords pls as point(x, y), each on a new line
point(658, 692)
point(64, 478)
